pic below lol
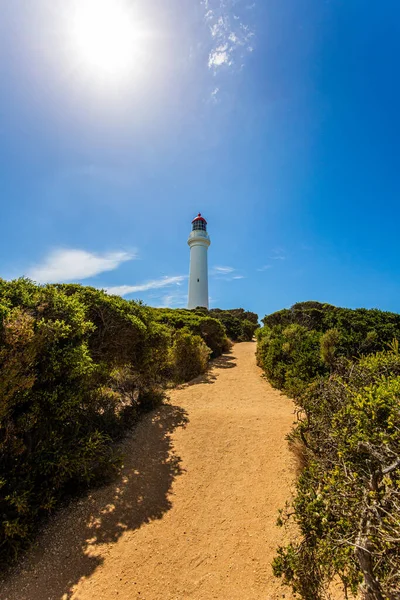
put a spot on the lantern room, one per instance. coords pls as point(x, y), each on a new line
point(199, 223)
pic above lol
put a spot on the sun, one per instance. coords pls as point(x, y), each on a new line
point(106, 38)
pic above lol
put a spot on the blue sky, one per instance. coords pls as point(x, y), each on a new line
point(277, 119)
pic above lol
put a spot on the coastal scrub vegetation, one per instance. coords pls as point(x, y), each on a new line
point(240, 325)
point(342, 367)
point(77, 368)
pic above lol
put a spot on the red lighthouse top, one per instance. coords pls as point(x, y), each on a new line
point(199, 223)
point(199, 218)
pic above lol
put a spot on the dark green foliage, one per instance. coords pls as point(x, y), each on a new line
point(362, 330)
point(240, 325)
point(248, 329)
point(239, 313)
point(290, 356)
point(347, 505)
point(77, 366)
point(329, 344)
point(51, 431)
point(198, 323)
point(119, 330)
point(233, 325)
point(299, 344)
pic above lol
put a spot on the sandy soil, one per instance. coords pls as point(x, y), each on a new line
point(193, 513)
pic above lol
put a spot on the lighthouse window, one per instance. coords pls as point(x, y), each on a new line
point(199, 226)
point(198, 281)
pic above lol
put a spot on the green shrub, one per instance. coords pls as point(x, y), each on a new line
point(248, 330)
point(347, 503)
point(190, 355)
point(329, 342)
point(361, 330)
point(233, 325)
point(290, 357)
point(51, 432)
point(240, 325)
point(77, 367)
point(209, 329)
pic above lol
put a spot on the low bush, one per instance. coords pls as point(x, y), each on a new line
point(347, 503)
point(77, 367)
point(209, 329)
point(290, 356)
point(55, 417)
point(240, 325)
point(189, 355)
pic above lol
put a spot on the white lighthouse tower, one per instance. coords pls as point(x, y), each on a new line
point(199, 242)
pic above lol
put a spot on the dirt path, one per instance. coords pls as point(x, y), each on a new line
point(193, 514)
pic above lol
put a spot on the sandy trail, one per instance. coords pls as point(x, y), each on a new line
point(193, 513)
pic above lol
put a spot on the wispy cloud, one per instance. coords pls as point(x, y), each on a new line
point(174, 301)
point(64, 265)
point(225, 273)
point(221, 270)
point(265, 268)
point(278, 254)
point(154, 284)
point(231, 36)
point(214, 95)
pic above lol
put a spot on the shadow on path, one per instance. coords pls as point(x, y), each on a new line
point(66, 549)
point(226, 361)
point(139, 496)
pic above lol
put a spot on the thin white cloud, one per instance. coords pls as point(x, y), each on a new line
point(214, 95)
point(265, 268)
point(155, 284)
point(64, 265)
point(225, 273)
point(174, 301)
point(278, 254)
point(230, 36)
point(222, 270)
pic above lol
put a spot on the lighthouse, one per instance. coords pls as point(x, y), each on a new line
point(199, 242)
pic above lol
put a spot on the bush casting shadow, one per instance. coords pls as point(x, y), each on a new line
point(226, 361)
point(139, 496)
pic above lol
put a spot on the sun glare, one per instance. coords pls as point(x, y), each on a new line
point(106, 38)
